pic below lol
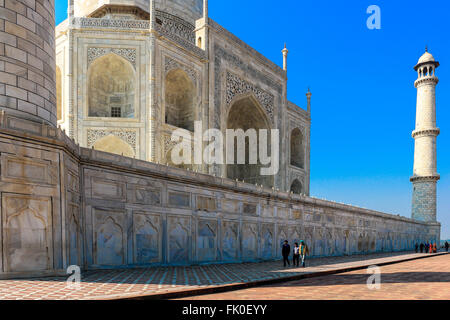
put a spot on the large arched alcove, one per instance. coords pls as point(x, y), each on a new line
point(297, 187)
point(58, 93)
point(179, 100)
point(246, 114)
point(297, 149)
point(113, 144)
point(111, 87)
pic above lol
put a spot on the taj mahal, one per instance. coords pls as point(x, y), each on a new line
point(88, 109)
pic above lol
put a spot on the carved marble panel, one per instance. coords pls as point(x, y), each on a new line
point(206, 203)
point(74, 240)
point(27, 233)
point(230, 241)
point(231, 206)
point(109, 238)
point(207, 240)
point(108, 189)
point(249, 241)
point(147, 238)
point(267, 239)
point(180, 199)
point(179, 229)
point(249, 209)
point(28, 171)
point(145, 195)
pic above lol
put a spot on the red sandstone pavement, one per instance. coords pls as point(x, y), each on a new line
point(424, 279)
point(169, 282)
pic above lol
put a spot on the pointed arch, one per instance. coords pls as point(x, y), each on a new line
point(296, 187)
point(179, 99)
point(114, 144)
point(246, 113)
point(111, 87)
point(297, 149)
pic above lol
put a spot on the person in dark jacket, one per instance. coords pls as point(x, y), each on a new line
point(285, 251)
point(421, 247)
point(446, 245)
point(417, 248)
point(427, 247)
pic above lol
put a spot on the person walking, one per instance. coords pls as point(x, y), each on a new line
point(435, 248)
point(421, 247)
point(446, 246)
point(427, 247)
point(304, 251)
point(285, 251)
point(296, 255)
point(431, 248)
point(417, 247)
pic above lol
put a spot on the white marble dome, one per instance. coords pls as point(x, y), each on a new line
point(426, 57)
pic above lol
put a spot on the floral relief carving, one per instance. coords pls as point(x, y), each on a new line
point(237, 86)
point(126, 53)
point(93, 135)
point(171, 64)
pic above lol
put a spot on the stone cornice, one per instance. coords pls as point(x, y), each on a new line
point(426, 132)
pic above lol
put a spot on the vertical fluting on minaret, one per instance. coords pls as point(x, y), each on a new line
point(425, 174)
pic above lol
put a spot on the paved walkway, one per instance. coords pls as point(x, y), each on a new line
point(132, 283)
point(424, 279)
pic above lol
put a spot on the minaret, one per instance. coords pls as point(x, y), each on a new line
point(425, 174)
point(285, 52)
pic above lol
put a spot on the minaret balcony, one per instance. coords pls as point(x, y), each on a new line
point(428, 178)
point(426, 132)
point(426, 79)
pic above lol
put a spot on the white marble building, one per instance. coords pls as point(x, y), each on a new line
point(129, 74)
point(123, 75)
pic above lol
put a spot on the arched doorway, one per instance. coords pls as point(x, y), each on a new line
point(179, 100)
point(297, 149)
point(111, 87)
point(246, 114)
point(296, 187)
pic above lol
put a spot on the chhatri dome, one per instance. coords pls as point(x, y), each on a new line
point(426, 57)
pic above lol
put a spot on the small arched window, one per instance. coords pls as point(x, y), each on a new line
point(180, 100)
point(297, 149)
point(296, 187)
point(199, 42)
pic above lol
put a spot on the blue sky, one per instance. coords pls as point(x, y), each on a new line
point(362, 84)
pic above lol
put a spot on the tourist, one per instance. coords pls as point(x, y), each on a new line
point(427, 247)
point(434, 248)
point(286, 250)
point(446, 246)
point(430, 248)
point(303, 252)
point(296, 255)
point(421, 247)
point(417, 248)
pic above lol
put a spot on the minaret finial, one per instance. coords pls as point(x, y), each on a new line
point(285, 52)
point(426, 48)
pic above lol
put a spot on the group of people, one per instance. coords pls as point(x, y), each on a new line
point(429, 247)
point(299, 252)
